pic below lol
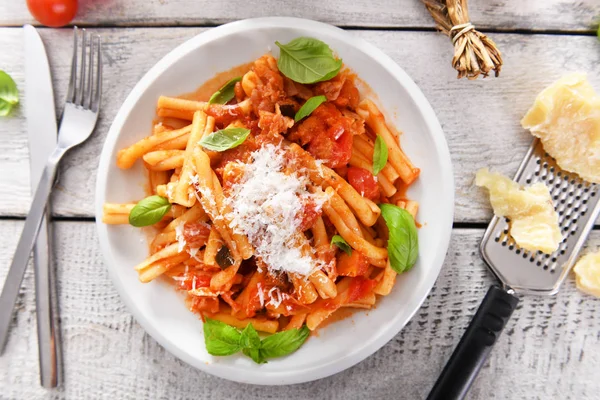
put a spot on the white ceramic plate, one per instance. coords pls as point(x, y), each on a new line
point(162, 312)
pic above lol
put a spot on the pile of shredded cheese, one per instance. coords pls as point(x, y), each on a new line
point(265, 204)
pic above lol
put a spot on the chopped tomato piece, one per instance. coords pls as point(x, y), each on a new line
point(331, 88)
point(192, 281)
point(207, 304)
point(335, 152)
point(353, 265)
point(348, 96)
point(307, 130)
point(359, 288)
point(195, 234)
point(253, 304)
point(364, 182)
point(235, 306)
point(224, 115)
point(308, 215)
point(270, 89)
point(241, 153)
point(328, 134)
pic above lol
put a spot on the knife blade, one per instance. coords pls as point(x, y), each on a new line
point(42, 132)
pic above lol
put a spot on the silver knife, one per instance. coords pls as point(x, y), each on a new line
point(41, 128)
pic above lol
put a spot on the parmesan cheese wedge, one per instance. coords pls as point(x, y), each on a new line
point(587, 273)
point(566, 118)
point(533, 220)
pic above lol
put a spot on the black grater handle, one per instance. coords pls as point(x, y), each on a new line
point(475, 346)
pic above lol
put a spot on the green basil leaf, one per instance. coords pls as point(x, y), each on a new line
point(255, 355)
point(310, 106)
point(342, 244)
point(226, 93)
point(9, 95)
point(149, 211)
point(225, 139)
point(307, 60)
point(250, 338)
point(380, 155)
point(403, 243)
point(251, 344)
point(283, 343)
point(221, 339)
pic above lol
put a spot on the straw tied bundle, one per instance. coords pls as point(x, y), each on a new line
point(474, 53)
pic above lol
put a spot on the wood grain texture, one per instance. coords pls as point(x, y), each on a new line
point(480, 118)
point(548, 351)
point(485, 14)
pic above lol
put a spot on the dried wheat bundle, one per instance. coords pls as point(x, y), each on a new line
point(474, 52)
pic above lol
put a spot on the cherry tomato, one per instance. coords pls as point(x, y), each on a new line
point(364, 182)
point(53, 13)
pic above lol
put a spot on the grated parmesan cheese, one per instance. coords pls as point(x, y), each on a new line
point(261, 294)
point(264, 207)
point(275, 302)
point(179, 236)
point(194, 179)
point(193, 251)
point(319, 164)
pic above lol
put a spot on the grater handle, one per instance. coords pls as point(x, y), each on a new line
point(474, 347)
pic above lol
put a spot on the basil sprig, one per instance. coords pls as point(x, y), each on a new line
point(403, 243)
point(224, 340)
point(307, 60)
point(226, 93)
point(149, 211)
point(342, 244)
point(221, 339)
point(9, 95)
point(380, 155)
point(310, 106)
point(224, 139)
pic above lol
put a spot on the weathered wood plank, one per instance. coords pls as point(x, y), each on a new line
point(548, 351)
point(505, 15)
point(480, 118)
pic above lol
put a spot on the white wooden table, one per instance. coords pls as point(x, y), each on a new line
point(551, 347)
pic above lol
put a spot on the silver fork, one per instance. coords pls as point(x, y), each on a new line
point(77, 123)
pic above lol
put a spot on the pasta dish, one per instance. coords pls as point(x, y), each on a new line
point(276, 202)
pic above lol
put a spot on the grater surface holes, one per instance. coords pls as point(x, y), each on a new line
point(570, 196)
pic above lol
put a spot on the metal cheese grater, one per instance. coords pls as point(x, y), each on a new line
point(521, 271)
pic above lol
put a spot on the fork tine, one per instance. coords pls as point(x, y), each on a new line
point(73, 78)
point(80, 88)
point(87, 100)
point(98, 93)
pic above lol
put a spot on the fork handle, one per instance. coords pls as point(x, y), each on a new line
point(12, 284)
point(475, 346)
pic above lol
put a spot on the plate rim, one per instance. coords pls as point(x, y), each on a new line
point(430, 120)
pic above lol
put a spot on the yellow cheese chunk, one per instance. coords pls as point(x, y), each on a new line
point(533, 220)
point(566, 118)
point(587, 273)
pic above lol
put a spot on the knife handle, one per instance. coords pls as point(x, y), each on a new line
point(46, 300)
